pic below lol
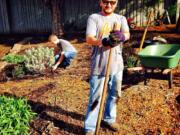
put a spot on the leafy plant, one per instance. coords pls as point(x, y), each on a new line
point(15, 115)
point(39, 59)
point(18, 71)
point(131, 61)
point(13, 58)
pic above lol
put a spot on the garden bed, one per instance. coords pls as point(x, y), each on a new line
point(60, 99)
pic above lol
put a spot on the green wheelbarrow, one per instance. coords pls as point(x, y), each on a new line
point(162, 56)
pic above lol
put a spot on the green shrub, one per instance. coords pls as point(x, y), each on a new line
point(13, 58)
point(39, 59)
point(15, 115)
point(131, 61)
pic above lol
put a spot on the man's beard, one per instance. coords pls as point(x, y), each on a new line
point(107, 13)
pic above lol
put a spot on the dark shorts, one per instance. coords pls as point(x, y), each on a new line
point(68, 56)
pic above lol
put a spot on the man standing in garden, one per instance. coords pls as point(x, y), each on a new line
point(100, 33)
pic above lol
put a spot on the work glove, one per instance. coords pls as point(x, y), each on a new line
point(54, 67)
point(106, 42)
point(116, 37)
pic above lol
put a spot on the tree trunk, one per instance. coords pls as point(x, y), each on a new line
point(57, 28)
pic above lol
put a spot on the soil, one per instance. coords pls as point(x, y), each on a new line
point(60, 98)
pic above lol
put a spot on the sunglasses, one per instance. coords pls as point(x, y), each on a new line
point(108, 2)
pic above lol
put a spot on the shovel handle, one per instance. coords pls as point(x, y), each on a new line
point(104, 92)
point(145, 31)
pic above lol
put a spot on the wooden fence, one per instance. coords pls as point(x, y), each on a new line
point(33, 16)
point(139, 9)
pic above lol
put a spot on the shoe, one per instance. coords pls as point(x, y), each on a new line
point(112, 126)
point(89, 133)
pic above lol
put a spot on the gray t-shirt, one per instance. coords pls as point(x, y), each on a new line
point(66, 46)
point(100, 27)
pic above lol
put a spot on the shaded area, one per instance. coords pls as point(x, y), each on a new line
point(42, 110)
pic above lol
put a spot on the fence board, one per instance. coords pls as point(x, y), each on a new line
point(32, 16)
point(4, 20)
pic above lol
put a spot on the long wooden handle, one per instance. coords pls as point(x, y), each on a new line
point(104, 93)
point(145, 31)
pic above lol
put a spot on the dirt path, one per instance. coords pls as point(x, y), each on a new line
point(60, 99)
